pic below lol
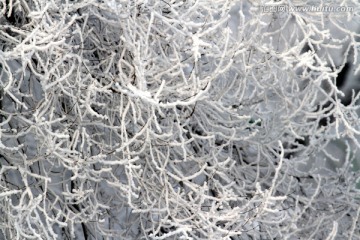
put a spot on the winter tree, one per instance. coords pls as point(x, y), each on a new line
point(179, 119)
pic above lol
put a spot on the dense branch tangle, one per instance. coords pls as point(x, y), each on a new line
point(151, 119)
